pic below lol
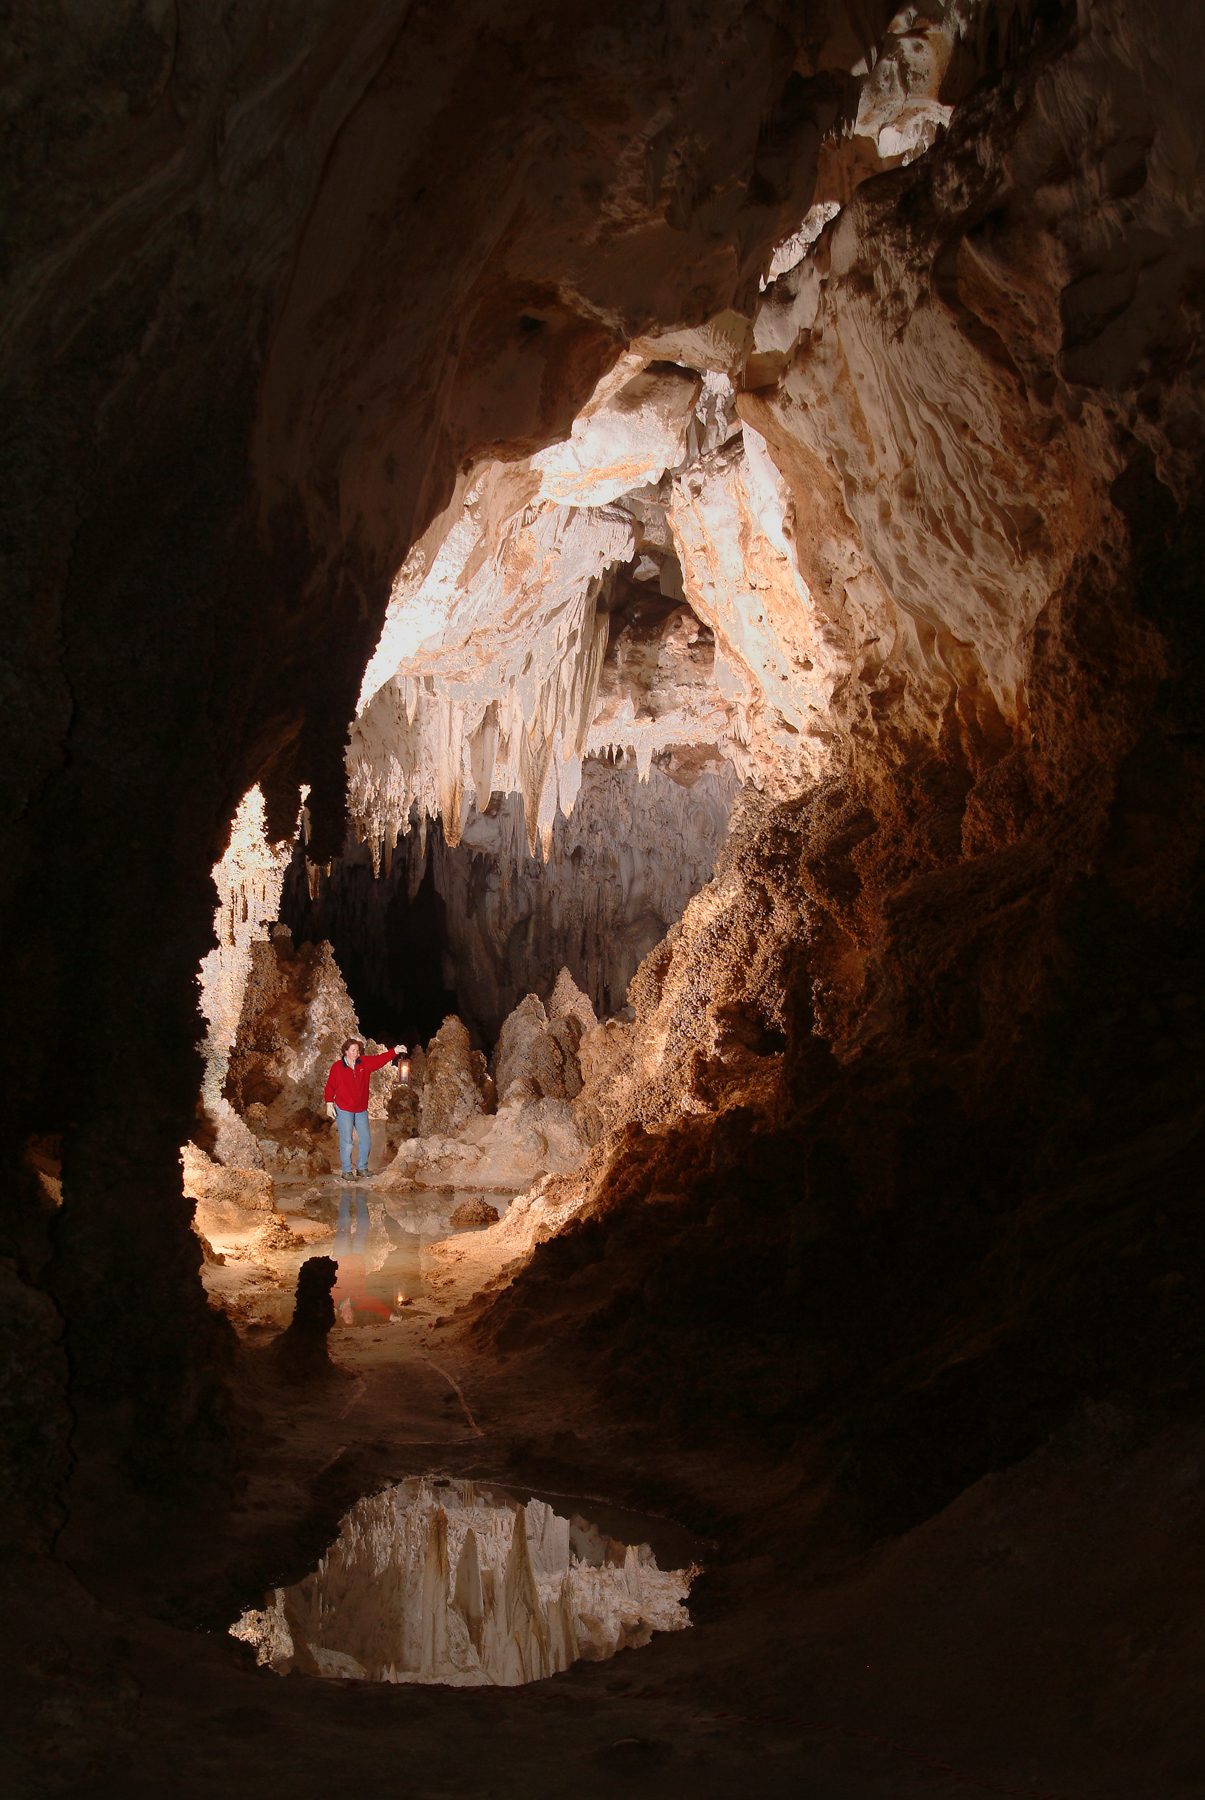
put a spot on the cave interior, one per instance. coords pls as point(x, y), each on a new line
point(651, 554)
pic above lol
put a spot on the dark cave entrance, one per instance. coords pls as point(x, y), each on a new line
point(388, 944)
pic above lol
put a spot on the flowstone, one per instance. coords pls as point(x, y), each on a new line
point(447, 1582)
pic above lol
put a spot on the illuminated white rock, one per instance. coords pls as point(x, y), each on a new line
point(450, 1584)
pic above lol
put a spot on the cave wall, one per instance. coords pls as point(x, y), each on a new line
point(267, 272)
point(251, 349)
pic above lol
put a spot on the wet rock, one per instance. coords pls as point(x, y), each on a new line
point(301, 1348)
point(474, 1212)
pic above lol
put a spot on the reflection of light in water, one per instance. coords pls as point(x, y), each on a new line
point(446, 1582)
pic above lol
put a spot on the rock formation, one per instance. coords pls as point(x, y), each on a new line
point(295, 1017)
point(454, 1091)
point(300, 1351)
point(806, 395)
point(619, 871)
point(507, 1130)
point(447, 1583)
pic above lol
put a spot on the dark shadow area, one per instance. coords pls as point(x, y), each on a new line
point(388, 945)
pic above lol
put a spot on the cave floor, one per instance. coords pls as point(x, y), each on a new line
point(1042, 1636)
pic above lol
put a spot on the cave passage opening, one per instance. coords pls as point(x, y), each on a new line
point(390, 942)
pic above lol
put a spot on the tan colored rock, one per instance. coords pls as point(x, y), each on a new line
point(453, 1082)
point(474, 1212)
point(250, 1190)
point(536, 1057)
point(272, 1237)
point(605, 1052)
point(568, 1001)
point(296, 1016)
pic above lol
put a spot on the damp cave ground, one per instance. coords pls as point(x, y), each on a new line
point(961, 1656)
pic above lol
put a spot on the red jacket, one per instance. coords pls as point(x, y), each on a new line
point(348, 1087)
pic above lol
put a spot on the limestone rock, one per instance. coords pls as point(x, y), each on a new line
point(250, 1190)
point(301, 1350)
point(537, 1056)
point(620, 869)
point(403, 1108)
point(567, 1001)
point(605, 1052)
point(474, 1212)
point(235, 1145)
point(454, 1092)
point(248, 877)
point(296, 1015)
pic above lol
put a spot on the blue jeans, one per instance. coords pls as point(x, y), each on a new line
point(347, 1123)
point(351, 1232)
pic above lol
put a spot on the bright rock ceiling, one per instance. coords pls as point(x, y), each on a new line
point(488, 675)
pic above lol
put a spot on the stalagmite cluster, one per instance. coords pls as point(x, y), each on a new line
point(448, 1583)
point(527, 1120)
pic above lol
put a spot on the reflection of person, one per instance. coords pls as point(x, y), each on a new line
point(350, 1293)
point(347, 1092)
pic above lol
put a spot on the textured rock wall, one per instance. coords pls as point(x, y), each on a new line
point(937, 1020)
point(281, 282)
point(270, 276)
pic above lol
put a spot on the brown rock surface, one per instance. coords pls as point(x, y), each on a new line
point(536, 1055)
point(474, 1212)
point(207, 1182)
point(453, 1082)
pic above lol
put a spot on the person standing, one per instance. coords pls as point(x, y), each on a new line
point(346, 1094)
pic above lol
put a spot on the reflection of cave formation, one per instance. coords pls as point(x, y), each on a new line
point(697, 510)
